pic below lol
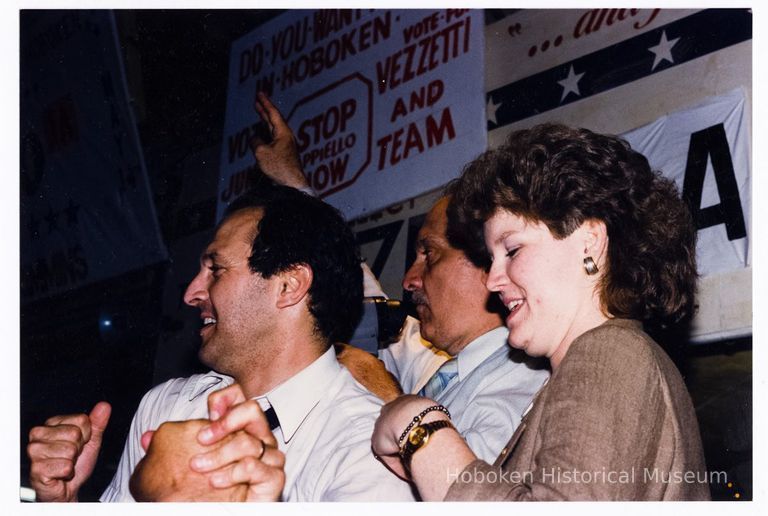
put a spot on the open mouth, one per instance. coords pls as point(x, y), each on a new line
point(208, 322)
point(513, 306)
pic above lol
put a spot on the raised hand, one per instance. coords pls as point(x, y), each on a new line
point(279, 159)
point(64, 451)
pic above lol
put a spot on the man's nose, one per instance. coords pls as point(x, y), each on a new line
point(412, 279)
point(197, 290)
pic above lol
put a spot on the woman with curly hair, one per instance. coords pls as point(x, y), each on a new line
point(587, 244)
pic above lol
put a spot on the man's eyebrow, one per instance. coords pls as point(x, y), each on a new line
point(431, 242)
point(423, 241)
point(209, 255)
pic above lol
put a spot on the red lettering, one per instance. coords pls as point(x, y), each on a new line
point(650, 19)
point(437, 132)
point(290, 40)
point(251, 60)
point(413, 140)
point(332, 172)
point(454, 13)
point(327, 21)
point(425, 96)
point(237, 184)
point(239, 143)
point(424, 26)
point(423, 56)
point(592, 20)
point(399, 110)
point(584, 25)
point(329, 149)
point(382, 72)
point(325, 125)
point(334, 51)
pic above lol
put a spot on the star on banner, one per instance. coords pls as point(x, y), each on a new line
point(663, 51)
point(571, 83)
point(490, 110)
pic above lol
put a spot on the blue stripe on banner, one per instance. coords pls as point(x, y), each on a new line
point(654, 51)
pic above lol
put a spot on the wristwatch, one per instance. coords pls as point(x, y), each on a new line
point(418, 437)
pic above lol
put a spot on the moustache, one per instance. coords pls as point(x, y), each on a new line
point(418, 298)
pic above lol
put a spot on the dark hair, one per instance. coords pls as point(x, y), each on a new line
point(297, 228)
point(562, 177)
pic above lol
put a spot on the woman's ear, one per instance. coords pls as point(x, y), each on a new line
point(294, 285)
point(595, 236)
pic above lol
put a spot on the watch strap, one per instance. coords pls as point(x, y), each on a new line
point(418, 437)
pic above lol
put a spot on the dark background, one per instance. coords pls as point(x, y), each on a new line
point(176, 64)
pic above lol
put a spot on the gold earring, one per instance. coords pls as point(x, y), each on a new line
point(590, 266)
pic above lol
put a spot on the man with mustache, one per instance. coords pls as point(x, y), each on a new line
point(457, 352)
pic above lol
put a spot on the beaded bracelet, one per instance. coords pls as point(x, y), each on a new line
point(416, 420)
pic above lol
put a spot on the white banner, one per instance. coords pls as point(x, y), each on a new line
point(705, 150)
point(614, 70)
point(385, 104)
point(533, 40)
point(84, 190)
point(701, 144)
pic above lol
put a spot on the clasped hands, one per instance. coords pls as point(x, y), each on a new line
point(230, 457)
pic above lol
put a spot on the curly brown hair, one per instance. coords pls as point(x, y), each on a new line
point(562, 177)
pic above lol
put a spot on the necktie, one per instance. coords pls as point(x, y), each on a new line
point(272, 418)
point(440, 380)
point(269, 411)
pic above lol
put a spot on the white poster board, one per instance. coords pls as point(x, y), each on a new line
point(378, 100)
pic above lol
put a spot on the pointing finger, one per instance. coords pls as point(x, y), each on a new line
point(277, 123)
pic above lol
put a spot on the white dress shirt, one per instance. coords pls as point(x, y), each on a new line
point(326, 422)
point(411, 359)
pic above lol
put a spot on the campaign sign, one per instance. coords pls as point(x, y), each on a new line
point(335, 141)
point(385, 104)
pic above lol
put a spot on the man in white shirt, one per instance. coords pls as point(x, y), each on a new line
point(491, 385)
point(277, 286)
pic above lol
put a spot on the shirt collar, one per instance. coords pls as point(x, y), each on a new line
point(479, 349)
point(205, 383)
point(295, 398)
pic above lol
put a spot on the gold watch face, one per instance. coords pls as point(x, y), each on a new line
point(417, 435)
